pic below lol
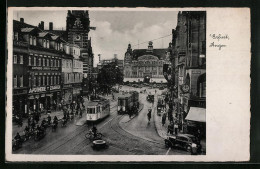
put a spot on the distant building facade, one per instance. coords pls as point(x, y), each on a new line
point(141, 63)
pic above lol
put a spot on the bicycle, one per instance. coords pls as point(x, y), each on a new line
point(90, 136)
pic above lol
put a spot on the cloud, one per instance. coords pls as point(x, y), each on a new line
point(107, 41)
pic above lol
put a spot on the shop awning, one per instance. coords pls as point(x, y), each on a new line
point(196, 114)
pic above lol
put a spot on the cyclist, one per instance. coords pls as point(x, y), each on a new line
point(149, 114)
point(94, 130)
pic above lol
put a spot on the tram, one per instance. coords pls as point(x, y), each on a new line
point(97, 110)
point(128, 103)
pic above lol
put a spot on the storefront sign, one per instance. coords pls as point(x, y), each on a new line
point(37, 90)
point(67, 86)
point(56, 87)
point(44, 68)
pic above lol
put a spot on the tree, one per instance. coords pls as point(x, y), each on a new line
point(108, 76)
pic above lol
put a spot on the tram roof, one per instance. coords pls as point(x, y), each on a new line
point(124, 95)
point(97, 102)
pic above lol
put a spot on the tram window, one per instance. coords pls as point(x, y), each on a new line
point(91, 110)
point(121, 102)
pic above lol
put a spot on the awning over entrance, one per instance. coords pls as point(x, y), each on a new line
point(196, 114)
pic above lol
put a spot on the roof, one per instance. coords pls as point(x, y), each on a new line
point(27, 29)
point(60, 33)
point(17, 25)
point(196, 114)
point(42, 34)
point(160, 53)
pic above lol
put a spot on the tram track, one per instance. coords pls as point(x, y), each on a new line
point(133, 144)
point(68, 138)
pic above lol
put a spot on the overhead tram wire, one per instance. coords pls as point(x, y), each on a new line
point(145, 42)
point(151, 40)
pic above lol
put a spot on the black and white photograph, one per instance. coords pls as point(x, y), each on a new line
point(96, 82)
point(128, 84)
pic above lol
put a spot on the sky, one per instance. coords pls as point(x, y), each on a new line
point(114, 29)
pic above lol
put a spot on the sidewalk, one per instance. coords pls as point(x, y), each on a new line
point(162, 130)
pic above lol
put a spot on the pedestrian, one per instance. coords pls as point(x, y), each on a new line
point(170, 128)
point(163, 118)
point(176, 128)
point(199, 135)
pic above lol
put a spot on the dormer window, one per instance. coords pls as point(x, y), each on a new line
point(34, 41)
point(30, 40)
point(48, 44)
point(44, 43)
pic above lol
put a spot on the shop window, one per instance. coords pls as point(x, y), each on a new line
point(15, 59)
point(15, 81)
point(30, 61)
point(21, 81)
point(21, 59)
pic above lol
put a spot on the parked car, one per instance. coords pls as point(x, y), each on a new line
point(187, 142)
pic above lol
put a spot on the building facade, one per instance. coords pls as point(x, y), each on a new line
point(37, 68)
point(142, 63)
point(189, 70)
point(46, 69)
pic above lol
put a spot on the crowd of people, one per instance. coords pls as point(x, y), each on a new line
point(36, 127)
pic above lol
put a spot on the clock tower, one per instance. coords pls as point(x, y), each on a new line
point(78, 27)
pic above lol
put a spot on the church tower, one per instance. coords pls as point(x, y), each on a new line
point(78, 27)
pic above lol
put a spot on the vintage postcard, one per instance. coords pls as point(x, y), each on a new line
point(128, 84)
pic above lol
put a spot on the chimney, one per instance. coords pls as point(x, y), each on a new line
point(22, 20)
point(41, 25)
point(50, 26)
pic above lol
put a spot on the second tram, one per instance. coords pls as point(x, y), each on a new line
point(128, 103)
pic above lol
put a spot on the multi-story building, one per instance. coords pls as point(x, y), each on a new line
point(145, 63)
point(46, 68)
point(39, 69)
point(189, 62)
